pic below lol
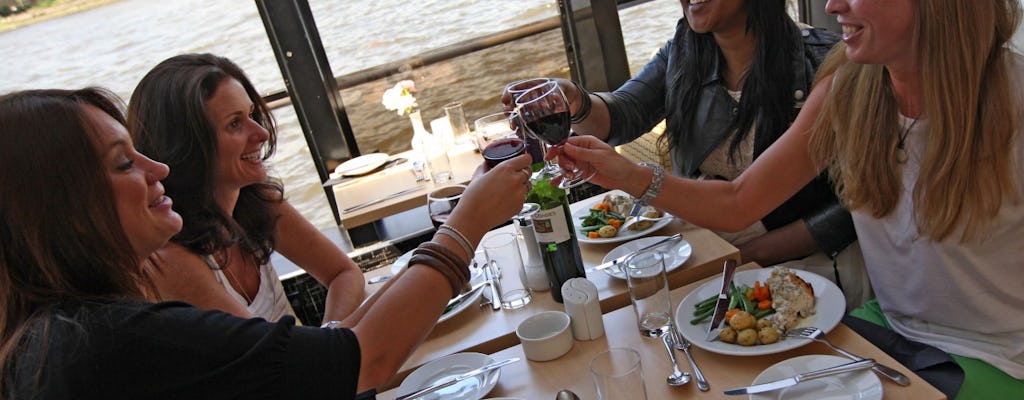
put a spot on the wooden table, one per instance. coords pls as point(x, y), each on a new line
point(541, 380)
point(464, 160)
point(487, 331)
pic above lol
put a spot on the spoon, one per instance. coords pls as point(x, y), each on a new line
point(678, 378)
point(566, 394)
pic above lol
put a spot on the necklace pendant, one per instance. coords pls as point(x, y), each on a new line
point(901, 155)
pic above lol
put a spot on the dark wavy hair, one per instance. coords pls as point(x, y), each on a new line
point(60, 235)
point(168, 121)
point(767, 92)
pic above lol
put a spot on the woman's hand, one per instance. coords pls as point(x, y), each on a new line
point(612, 170)
point(493, 197)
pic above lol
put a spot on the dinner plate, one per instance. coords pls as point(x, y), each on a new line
point(829, 305)
point(676, 254)
point(447, 367)
point(476, 276)
point(577, 218)
point(361, 165)
point(861, 385)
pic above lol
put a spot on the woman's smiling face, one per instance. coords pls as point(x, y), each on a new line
point(240, 139)
point(143, 209)
point(715, 15)
point(877, 31)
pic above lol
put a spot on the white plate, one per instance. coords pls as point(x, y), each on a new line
point(448, 367)
point(621, 236)
point(677, 254)
point(861, 385)
point(829, 304)
point(476, 275)
point(361, 165)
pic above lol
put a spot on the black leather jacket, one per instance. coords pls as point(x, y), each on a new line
point(639, 104)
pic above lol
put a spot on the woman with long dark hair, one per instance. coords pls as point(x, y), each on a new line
point(83, 211)
point(727, 85)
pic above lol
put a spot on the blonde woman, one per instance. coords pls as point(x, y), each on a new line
point(917, 119)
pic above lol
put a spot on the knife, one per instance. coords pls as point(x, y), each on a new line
point(492, 282)
point(379, 199)
point(806, 376)
point(723, 301)
point(457, 379)
point(651, 246)
point(471, 290)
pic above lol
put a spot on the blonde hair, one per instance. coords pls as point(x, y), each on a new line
point(971, 108)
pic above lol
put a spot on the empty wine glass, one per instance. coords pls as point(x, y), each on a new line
point(543, 112)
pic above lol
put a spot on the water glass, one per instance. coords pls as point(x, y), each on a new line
point(438, 163)
point(457, 119)
point(648, 291)
point(618, 375)
point(492, 127)
point(502, 252)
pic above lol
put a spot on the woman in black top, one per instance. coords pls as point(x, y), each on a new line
point(83, 210)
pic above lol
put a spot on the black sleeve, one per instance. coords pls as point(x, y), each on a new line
point(175, 351)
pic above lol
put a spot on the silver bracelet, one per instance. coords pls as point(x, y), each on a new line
point(655, 187)
point(330, 324)
point(459, 238)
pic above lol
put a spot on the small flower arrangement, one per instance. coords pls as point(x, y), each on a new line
point(399, 98)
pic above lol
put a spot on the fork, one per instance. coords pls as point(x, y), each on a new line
point(817, 335)
point(679, 342)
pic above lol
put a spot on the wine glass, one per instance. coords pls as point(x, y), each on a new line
point(543, 112)
point(442, 201)
point(512, 91)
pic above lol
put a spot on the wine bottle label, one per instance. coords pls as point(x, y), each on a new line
point(550, 225)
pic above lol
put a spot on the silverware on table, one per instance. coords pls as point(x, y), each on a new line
point(651, 246)
point(806, 376)
point(457, 379)
point(722, 305)
point(678, 378)
point(492, 282)
point(379, 199)
point(818, 335)
point(679, 342)
point(463, 295)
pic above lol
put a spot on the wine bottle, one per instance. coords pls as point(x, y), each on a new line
point(554, 231)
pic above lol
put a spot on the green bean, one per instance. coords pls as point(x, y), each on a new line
point(763, 313)
point(700, 318)
point(590, 228)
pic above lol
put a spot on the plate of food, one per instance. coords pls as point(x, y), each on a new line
point(599, 222)
point(475, 276)
point(448, 367)
point(675, 255)
point(862, 384)
point(794, 298)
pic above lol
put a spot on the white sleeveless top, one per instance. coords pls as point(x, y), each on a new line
point(964, 298)
point(270, 302)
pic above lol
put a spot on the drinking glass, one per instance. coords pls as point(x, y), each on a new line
point(543, 112)
point(513, 90)
point(492, 127)
point(442, 201)
point(502, 250)
point(648, 291)
point(457, 118)
point(618, 375)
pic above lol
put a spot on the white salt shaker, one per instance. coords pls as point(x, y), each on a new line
point(584, 308)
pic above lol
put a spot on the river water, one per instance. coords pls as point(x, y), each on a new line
point(114, 45)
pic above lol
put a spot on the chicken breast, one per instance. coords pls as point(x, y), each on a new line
point(792, 298)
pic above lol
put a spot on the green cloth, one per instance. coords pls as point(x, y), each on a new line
point(981, 380)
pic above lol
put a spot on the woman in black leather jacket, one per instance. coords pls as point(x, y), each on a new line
point(728, 84)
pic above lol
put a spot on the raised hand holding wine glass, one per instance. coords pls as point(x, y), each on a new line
point(542, 111)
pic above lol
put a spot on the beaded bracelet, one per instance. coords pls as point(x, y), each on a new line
point(585, 107)
point(458, 237)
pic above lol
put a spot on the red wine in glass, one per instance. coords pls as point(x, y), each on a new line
point(551, 128)
point(439, 219)
point(501, 150)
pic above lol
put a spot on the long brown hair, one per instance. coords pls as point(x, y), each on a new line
point(972, 115)
point(60, 236)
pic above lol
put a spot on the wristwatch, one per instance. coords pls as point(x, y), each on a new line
point(655, 187)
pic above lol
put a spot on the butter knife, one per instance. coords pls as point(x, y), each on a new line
point(379, 199)
point(806, 376)
point(651, 246)
point(492, 282)
point(723, 301)
point(457, 379)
